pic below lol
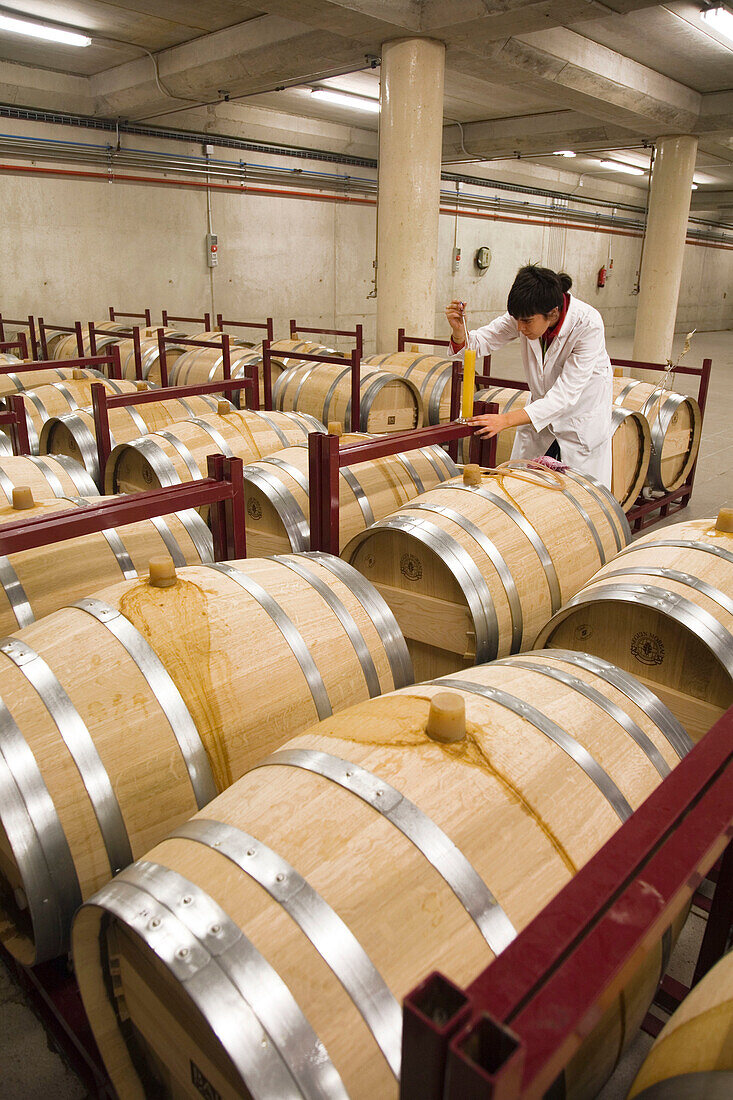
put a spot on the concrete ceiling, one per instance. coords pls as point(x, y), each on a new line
point(524, 77)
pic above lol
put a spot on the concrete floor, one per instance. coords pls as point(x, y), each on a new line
point(31, 1070)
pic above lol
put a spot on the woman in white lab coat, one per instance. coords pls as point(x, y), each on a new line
point(566, 366)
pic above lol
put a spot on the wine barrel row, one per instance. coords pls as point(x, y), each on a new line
point(179, 453)
point(277, 494)
point(432, 374)
point(473, 569)
point(164, 663)
point(73, 433)
point(63, 397)
point(265, 947)
point(33, 379)
point(675, 423)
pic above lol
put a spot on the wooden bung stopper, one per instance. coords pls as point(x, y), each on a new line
point(223, 407)
point(618, 372)
point(471, 474)
point(724, 522)
point(23, 498)
point(162, 573)
point(77, 374)
point(335, 428)
point(447, 718)
point(140, 385)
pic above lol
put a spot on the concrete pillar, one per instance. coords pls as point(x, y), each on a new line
point(410, 150)
point(661, 270)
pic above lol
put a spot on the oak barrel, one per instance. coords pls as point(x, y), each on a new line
point(47, 477)
point(204, 677)
point(630, 445)
point(339, 872)
point(664, 610)
point(473, 572)
point(62, 397)
point(201, 365)
point(179, 453)
point(432, 374)
point(675, 423)
point(388, 403)
point(33, 583)
point(73, 433)
point(106, 333)
point(149, 356)
point(278, 496)
point(692, 1057)
point(32, 379)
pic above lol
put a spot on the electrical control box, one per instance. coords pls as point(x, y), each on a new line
point(456, 260)
point(212, 249)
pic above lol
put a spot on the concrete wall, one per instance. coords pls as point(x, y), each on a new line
point(71, 247)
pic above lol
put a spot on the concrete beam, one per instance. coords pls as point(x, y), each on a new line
point(528, 134)
point(29, 87)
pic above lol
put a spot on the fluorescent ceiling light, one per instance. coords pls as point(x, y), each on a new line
point(619, 166)
point(720, 19)
point(564, 153)
point(38, 30)
point(347, 99)
point(694, 187)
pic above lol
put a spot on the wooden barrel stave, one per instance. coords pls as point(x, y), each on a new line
point(663, 610)
point(315, 820)
point(73, 433)
point(316, 637)
point(473, 573)
point(432, 374)
point(179, 454)
point(277, 494)
point(675, 424)
point(693, 1054)
point(29, 589)
point(388, 403)
point(47, 477)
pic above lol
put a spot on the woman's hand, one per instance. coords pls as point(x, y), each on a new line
point(454, 315)
point(489, 424)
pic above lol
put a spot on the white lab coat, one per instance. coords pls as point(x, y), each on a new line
point(570, 393)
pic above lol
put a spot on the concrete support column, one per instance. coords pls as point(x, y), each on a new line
point(664, 247)
point(410, 149)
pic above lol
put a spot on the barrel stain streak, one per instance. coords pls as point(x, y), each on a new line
point(175, 621)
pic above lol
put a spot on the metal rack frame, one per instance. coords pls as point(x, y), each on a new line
point(102, 401)
point(311, 358)
point(43, 327)
point(205, 320)
point(190, 341)
point(14, 416)
point(357, 334)
point(677, 499)
point(145, 316)
point(30, 324)
point(268, 325)
point(326, 458)
point(222, 491)
point(512, 1031)
point(21, 343)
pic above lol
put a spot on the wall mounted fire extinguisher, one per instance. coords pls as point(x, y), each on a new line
point(604, 273)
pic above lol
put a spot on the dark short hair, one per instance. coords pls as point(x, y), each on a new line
point(537, 290)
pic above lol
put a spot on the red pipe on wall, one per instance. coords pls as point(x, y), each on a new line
point(112, 177)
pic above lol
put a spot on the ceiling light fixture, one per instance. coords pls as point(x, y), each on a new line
point(720, 18)
point(39, 30)
point(564, 153)
point(346, 99)
point(619, 166)
point(694, 187)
